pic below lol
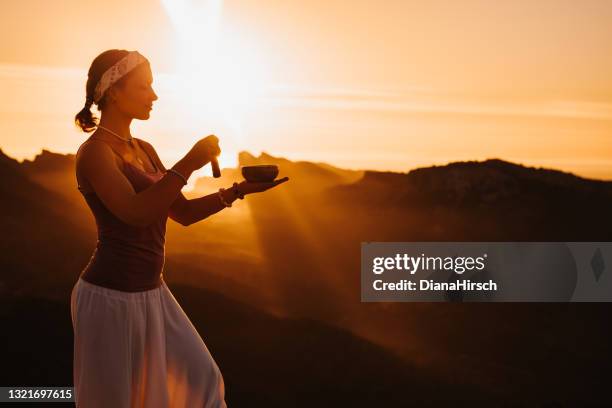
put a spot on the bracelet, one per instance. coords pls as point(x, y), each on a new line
point(225, 203)
point(237, 191)
point(178, 174)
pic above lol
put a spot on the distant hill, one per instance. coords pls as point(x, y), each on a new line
point(40, 231)
point(42, 250)
point(489, 200)
point(489, 182)
point(306, 177)
point(48, 161)
point(300, 260)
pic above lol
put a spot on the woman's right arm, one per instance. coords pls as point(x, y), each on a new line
point(98, 165)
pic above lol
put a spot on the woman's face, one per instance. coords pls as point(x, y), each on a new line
point(134, 96)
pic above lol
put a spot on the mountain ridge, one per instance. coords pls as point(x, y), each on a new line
point(48, 160)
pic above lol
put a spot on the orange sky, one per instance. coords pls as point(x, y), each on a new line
point(352, 83)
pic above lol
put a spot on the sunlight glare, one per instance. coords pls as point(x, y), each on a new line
point(219, 77)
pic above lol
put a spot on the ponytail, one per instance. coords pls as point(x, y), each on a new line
point(85, 118)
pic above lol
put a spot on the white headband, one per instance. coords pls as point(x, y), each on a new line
point(114, 73)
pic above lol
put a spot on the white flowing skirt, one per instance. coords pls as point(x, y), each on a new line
point(139, 349)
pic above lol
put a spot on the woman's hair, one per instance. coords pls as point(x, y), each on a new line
point(85, 119)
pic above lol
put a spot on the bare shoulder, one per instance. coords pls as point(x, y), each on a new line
point(94, 154)
point(92, 149)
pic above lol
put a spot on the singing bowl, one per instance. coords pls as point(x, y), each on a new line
point(260, 173)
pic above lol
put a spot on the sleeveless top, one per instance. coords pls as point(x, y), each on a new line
point(127, 257)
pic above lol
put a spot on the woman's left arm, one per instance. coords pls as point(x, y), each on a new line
point(199, 208)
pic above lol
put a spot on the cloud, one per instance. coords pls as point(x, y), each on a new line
point(424, 100)
point(409, 100)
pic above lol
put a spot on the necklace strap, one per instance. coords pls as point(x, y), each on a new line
point(115, 134)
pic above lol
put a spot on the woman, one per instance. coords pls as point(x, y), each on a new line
point(133, 344)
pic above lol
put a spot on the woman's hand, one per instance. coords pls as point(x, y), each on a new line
point(203, 152)
point(248, 187)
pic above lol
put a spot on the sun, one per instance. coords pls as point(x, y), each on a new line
point(219, 74)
